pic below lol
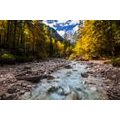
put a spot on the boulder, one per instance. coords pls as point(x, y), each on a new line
point(52, 89)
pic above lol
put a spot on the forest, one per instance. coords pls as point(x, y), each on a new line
point(98, 39)
point(26, 40)
point(37, 62)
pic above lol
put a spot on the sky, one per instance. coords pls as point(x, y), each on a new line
point(62, 26)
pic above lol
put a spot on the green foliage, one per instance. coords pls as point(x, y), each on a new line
point(7, 58)
point(116, 62)
point(22, 59)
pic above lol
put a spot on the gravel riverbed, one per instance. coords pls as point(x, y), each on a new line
point(17, 79)
point(111, 75)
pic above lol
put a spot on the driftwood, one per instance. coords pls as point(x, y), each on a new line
point(34, 79)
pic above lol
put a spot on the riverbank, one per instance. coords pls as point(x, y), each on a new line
point(17, 79)
point(111, 75)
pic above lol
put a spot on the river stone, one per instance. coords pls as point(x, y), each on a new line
point(50, 77)
point(52, 89)
point(69, 73)
point(68, 66)
point(27, 67)
point(8, 96)
point(67, 90)
point(74, 70)
point(60, 91)
point(29, 86)
point(84, 75)
point(72, 96)
point(12, 89)
point(22, 92)
point(78, 88)
point(93, 89)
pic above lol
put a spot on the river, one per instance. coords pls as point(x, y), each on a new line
point(68, 84)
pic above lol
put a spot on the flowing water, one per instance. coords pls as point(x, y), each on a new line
point(68, 84)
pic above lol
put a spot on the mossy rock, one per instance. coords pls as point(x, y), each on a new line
point(116, 62)
point(7, 58)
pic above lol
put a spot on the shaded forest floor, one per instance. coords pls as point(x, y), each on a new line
point(17, 79)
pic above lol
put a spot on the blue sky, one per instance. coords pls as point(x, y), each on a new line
point(63, 26)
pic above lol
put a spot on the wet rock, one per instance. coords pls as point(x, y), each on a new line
point(74, 70)
point(58, 77)
point(84, 75)
point(52, 89)
point(79, 89)
point(72, 96)
point(50, 77)
point(68, 66)
point(60, 91)
point(67, 90)
point(68, 73)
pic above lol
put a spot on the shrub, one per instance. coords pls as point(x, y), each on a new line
point(24, 58)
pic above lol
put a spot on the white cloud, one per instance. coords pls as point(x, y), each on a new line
point(50, 24)
point(63, 23)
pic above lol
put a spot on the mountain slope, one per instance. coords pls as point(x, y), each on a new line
point(53, 33)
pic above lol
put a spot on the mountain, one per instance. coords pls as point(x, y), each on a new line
point(55, 35)
point(63, 26)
